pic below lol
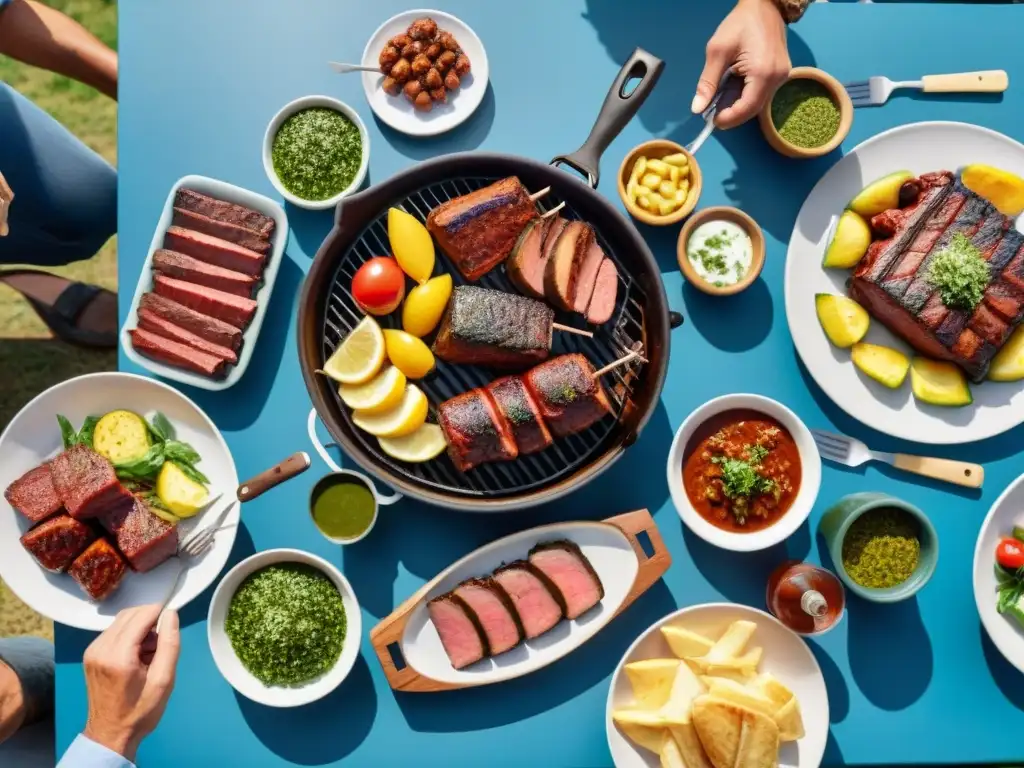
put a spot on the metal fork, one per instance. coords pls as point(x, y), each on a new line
point(196, 544)
point(875, 91)
point(845, 450)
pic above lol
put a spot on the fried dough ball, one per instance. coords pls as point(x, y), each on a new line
point(433, 51)
point(391, 86)
point(445, 61)
point(400, 41)
point(462, 65)
point(388, 57)
point(439, 94)
point(423, 29)
point(412, 50)
point(451, 81)
point(413, 89)
point(402, 71)
point(420, 65)
point(433, 79)
point(423, 102)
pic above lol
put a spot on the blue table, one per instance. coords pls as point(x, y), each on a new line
point(200, 80)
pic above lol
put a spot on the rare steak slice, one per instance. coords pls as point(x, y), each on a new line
point(232, 309)
point(167, 350)
point(144, 539)
point(537, 601)
point(184, 267)
point(33, 494)
point(210, 328)
point(495, 612)
point(85, 482)
point(214, 250)
point(58, 541)
point(221, 210)
point(99, 569)
point(152, 322)
point(222, 229)
point(568, 569)
point(460, 632)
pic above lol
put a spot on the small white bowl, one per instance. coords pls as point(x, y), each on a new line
point(232, 668)
point(296, 106)
point(810, 479)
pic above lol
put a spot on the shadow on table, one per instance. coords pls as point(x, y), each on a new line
point(833, 755)
point(1007, 677)
point(323, 732)
point(492, 706)
point(636, 481)
point(731, 323)
point(198, 609)
point(838, 691)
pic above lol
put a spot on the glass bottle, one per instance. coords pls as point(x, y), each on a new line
point(806, 598)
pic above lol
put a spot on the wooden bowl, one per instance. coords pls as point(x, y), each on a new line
point(747, 224)
point(657, 149)
point(839, 96)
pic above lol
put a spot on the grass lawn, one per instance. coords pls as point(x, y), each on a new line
point(30, 359)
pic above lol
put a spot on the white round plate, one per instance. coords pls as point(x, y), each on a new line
point(1006, 633)
point(33, 437)
point(241, 679)
point(920, 148)
point(785, 655)
point(397, 111)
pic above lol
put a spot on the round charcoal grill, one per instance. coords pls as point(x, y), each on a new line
point(328, 313)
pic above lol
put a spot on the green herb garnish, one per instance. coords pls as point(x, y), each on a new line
point(286, 624)
point(804, 113)
point(960, 273)
point(740, 477)
point(881, 548)
point(564, 394)
point(317, 153)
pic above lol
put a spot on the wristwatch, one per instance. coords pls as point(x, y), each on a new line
point(792, 10)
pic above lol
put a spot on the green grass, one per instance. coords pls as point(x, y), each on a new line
point(33, 359)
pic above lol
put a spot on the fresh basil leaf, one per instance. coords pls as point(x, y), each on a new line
point(88, 428)
point(67, 432)
point(192, 473)
point(181, 452)
point(146, 465)
point(161, 427)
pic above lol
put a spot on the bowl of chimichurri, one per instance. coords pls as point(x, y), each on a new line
point(284, 627)
point(809, 115)
point(316, 151)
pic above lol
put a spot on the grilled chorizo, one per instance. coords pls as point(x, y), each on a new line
point(423, 102)
point(402, 71)
point(420, 65)
point(423, 29)
point(387, 58)
point(391, 86)
point(445, 61)
point(451, 80)
point(412, 50)
point(433, 79)
point(462, 65)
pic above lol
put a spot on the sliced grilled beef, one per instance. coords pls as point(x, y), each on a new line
point(144, 539)
point(460, 632)
point(230, 213)
point(516, 404)
point(494, 611)
point(536, 599)
point(214, 250)
point(58, 541)
point(152, 322)
point(85, 482)
point(569, 397)
point(486, 327)
point(588, 276)
point(209, 328)
point(222, 229)
point(606, 291)
point(99, 569)
point(174, 353)
point(475, 431)
point(33, 494)
point(235, 310)
point(561, 273)
point(184, 267)
point(479, 230)
point(525, 265)
point(568, 569)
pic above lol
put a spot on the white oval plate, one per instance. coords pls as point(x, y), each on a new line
point(607, 549)
point(785, 655)
point(920, 148)
point(33, 436)
point(1006, 633)
point(397, 111)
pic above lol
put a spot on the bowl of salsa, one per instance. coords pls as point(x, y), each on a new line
point(743, 472)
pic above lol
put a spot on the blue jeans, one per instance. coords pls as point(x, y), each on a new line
point(65, 195)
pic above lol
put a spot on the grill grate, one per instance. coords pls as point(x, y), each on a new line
point(611, 341)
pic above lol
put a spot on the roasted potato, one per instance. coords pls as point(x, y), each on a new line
point(433, 51)
point(412, 89)
point(439, 94)
point(412, 50)
point(423, 102)
point(402, 71)
point(451, 81)
point(391, 86)
point(420, 65)
point(388, 57)
point(445, 61)
point(448, 41)
point(400, 41)
point(433, 80)
point(423, 29)
point(462, 65)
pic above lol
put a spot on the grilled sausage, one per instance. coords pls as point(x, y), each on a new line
point(400, 41)
point(451, 81)
point(462, 65)
point(388, 57)
point(423, 29)
point(402, 71)
point(423, 102)
point(391, 86)
point(412, 89)
point(412, 50)
point(433, 79)
point(445, 61)
point(420, 65)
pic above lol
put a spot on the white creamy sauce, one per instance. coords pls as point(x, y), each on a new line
point(720, 252)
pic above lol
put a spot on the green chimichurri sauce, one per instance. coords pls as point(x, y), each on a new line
point(317, 153)
point(343, 510)
point(286, 624)
point(960, 273)
point(804, 113)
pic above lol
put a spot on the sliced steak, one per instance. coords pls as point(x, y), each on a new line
point(568, 569)
point(517, 405)
point(474, 430)
point(561, 273)
point(229, 213)
point(212, 249)
point(495, 612)
point(525, 265)
point(57, 542)
point(606, 292)
point(85, 482)
point(235, 310)
point(152, 322)
point(588, 276)
point(225, 231)
point(460, 632)
point(144, 539)
point(209, 328)
point(33, 494)
point(99, 569)
point(174, 264)
point(177, 354)
point(537, 601)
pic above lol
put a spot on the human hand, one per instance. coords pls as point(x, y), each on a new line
point(128, 680)
point(752, 40)
point(6, 195)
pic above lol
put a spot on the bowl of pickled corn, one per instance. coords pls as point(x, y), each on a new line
point(659, 182)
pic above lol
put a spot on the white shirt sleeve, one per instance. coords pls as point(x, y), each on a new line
point(86, 753)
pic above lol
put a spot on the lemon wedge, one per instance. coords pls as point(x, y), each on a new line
point(381, 393)
point(424, 444)
point(408, 353)
point(360, 355)
point(405, 418)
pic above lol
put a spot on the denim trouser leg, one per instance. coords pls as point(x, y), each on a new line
point(65, 195)
point(31, 658)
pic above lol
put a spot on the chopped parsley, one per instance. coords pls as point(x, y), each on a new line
point(287, 624)
point(960, 273)
point(741, 477)
point(317, 153)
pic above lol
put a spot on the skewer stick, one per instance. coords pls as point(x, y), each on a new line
point(611, 366)
point(538, 195)
point(570, 329)
point(553, 211)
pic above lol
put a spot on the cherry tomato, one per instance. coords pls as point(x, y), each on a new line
point(379, 285)
point(1010, 553)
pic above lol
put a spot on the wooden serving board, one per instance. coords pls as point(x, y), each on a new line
point(388, 636)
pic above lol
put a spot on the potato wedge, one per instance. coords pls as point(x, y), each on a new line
point(652, 680)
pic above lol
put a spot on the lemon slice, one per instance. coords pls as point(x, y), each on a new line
point(381, 393)
point(424, 444)
point(408, 416)
point(360, 355)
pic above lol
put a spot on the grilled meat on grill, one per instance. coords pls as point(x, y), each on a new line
point(569, 397)
point(517, 405)
point(561, 273)
point(487, 327)
point(474, 430)
point(525, 265)
point(478, 230)
point(606, 288)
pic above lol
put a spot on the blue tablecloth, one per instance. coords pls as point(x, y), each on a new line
point(917, 682)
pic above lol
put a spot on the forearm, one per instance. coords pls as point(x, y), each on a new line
point(35, 34)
